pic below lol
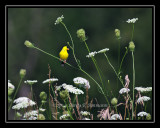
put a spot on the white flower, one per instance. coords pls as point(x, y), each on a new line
point(91, 54)
point(22, 102)
point(30, 82)
point(51, 80)
point(81, 82)
point(115, 117)
point(86, 119)
point(142, 114)
point(132, 20)
point(64, 116)
point(42, 110)
point(59, 19)
point(58, 87)
point(31, 115)
point(10, 85)
point(72, 89)
point(85, 113)
point(103, 50)
point(124, 90)
point(143, 98)
point(141, 89)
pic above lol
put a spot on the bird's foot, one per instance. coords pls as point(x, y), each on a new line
point(64, 61)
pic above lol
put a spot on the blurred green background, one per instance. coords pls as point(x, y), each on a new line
point(37, 26)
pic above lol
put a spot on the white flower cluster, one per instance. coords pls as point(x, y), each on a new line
point(124, 90)
point(143, 98)
point(59, 19)
point(115, 117)
point(72, 89)
point(141, 89)
point(64, 116)
point(91, 54)
point(30, 82)
point(22, 102)
point(142, 114)
point(10, 85)
point(81, 82)
point(132, 20)
point(86, 119)
point(103, 50)
point(31, 115)
point(84, 113)
point(51, 80)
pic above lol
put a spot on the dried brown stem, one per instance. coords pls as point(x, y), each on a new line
point(77, 106)
point(72, 107)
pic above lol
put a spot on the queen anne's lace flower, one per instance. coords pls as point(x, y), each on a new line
point(10, 85)
point(143, 98)
point(91, 54)
point(72, 89)
point(115, 117)
point(85, 113)
point(132, 20)
point(141, 89)
point(64, 116)
point(142, 114)
point(124, 90)
point(22, 102)
point(81, 82)
point(31, 115)
point(103, 50)
point(30, 82)
point(59, 19)
point(51, 80)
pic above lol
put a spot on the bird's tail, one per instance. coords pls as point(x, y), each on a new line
point(62, 64)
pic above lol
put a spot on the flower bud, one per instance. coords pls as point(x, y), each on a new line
point(114, 101)
point(29, 44)
point(131, 46)
point(117, 33)
point(81, 34)
point(10, 91)
point(18, 114)
point(22, 73)
point(64, 94)
point(41, 117)
point(43, 96)
point(148, 117)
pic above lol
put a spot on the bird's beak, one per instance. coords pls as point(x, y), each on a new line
point(67, 48)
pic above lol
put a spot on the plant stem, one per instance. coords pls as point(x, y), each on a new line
point(132, 32)
point(68, 110)
point(15, 93)
point(123, 59)
point(54, 57)
point(133, 85)
point(113, 69)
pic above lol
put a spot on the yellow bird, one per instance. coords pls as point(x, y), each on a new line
point(64, 55)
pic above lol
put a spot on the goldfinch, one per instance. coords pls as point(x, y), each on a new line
point(64, 55)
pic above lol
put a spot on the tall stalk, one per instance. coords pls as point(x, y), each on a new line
point(133, 85)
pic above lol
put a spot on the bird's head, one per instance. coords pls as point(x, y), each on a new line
point(65, 48)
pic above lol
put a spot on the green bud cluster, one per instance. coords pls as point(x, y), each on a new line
point(117, 33)
point(81, 34)
point(114, 101)
point(43, 96)
point(28, 44)
point(41, 117)
point(22, 73)
point(64, 94)
point(131, 46)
